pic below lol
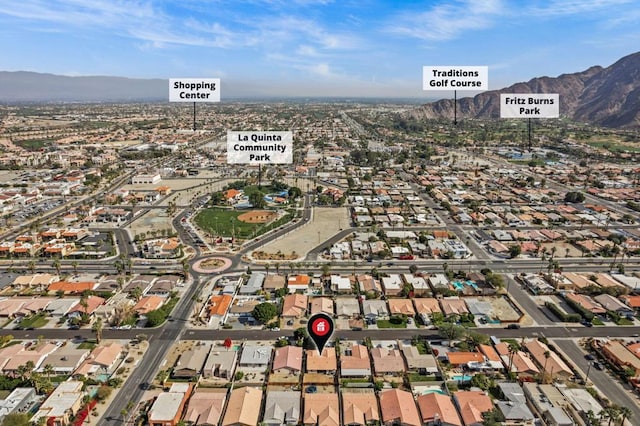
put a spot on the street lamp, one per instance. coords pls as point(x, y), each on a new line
point(586, 379)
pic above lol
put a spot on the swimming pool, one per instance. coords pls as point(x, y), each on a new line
point(459, 285)
point(461, 377)
point(430, 391)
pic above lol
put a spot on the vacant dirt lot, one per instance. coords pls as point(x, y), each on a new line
point(326, 222)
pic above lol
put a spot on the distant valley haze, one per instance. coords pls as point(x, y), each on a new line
point(608, 96)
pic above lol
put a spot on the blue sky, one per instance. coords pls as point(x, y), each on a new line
point(315, 47)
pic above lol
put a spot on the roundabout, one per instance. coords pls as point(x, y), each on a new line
point(211, 265)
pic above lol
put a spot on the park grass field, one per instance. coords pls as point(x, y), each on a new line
point(225, 223)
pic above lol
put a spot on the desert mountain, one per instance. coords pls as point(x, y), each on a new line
point(604, 96)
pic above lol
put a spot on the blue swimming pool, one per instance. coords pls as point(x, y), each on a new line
point(461, 377)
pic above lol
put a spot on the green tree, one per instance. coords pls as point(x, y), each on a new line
point(474, 339)
point(265, 312)
point(16, 419)
point(574, 197)
point(155, 318)
point(257, 199)
point(492, 417)
point(451, 331)
point(515, 251)
point(294, 192)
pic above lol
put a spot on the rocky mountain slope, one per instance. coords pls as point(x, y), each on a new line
point(603, 96)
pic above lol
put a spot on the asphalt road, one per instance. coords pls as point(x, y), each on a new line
point(609, 386)
point(521, 296)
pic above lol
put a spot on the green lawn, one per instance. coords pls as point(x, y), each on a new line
point(35, 321)
point(612, 144)
point(416, 377)
point(389, 324)
point(225, 223)
point(87, 345)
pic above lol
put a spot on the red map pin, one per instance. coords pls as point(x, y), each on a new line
point(320, 329)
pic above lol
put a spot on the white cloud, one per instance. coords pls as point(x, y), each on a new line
point(447, 21)
point(573, 7)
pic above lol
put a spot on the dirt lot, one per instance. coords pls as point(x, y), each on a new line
point(154, 219)
point(326, 222)
point(501, 308)
point(561, 250)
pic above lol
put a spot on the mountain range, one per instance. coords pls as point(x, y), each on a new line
point(607, 97)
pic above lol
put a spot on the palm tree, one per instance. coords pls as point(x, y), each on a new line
point(266, 268)
point(74, 264)
point(547, 355)
point(32, 266)
point(185, 268)
point(120, 282)
point(136, 292)
point(625, 413)
point(84, 303)
point(513, 349)
point(57, 266)
point(23, 372)
point(48, 370)
point(615, 251)
point(97, 328)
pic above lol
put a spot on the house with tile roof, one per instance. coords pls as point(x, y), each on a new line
point(397, 407)
point(294, 306)
point(298, 283)
point(354, 361)
point(401, 307)
point(288, 359)
point(243, 408)
point(69, 287)
point(553, 365)
point(147, 304)
point(102, 360)
point(387, 361)
point(327, 362)
point(322, 305)
point(205, 407)
point(471, 405)
point(321, 409)
point(438, 409)
point(218, 308)
point(359, 408)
